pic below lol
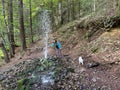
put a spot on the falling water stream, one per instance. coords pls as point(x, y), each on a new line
point(46, 77)
point(44, 17)
point(46, 28)
point(46, 45)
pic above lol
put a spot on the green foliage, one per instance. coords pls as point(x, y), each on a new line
point(21, 85)
point(1, 53)
point(88, 35)
point(86, 6)
point(16, 30)
point(57, 70)
point(45, 63)
point(1, 56)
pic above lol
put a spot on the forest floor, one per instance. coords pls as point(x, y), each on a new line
point(103, 50)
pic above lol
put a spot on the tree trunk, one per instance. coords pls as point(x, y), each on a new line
point(79, 7)
point(11, 31)
point(52, 13)
point(6, 24)
point(118, 6)
point(60, 11)
point(21, 21)
point(73, 10)
point(68, 11)
point(31, 31)
point(3, 8)
point(6, 57)
point(94, 6)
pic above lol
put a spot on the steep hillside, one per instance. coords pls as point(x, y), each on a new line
point(102, 46)
point(84, 37)
point(79, 39)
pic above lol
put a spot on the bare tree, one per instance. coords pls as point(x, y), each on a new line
point(94, 5)
point(60, 8)
point(8, 30)
point(79, 7)
point(73, 10)
point(52, 14)
point(21, 21)
point(3, 8)
point(31, 31)
point(68, 11)
point(11, 31)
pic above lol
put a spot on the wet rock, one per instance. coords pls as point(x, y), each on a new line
point(94, 79)
point(36, 85)
point(2, 77)
point(92, 64)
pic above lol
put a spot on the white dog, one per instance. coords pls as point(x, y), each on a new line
point(80, 60)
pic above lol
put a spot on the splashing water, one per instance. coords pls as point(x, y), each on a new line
point(46, 79)
point(45, 27)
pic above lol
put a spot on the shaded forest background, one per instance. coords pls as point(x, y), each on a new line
point(20, 22)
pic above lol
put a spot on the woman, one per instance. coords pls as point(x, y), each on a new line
point(58, 48)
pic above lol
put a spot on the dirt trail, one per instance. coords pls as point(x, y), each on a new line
point(27, 56)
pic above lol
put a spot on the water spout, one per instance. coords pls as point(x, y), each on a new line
point(45, 27)
point(46, 45)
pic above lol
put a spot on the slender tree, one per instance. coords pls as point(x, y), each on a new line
point(68, 11)
point(51, 7)
point(4, 14)
point(7, 27)
point(60, 11)
point(79, 7)
point(21, 21)
point(73, 10)
point(118, 6)
point(11, 31)
point(94, 6)
point(6, 56)
point(31, 31)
